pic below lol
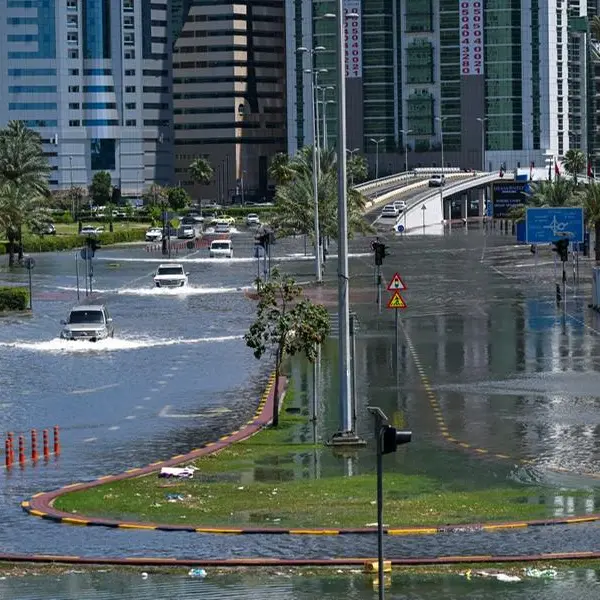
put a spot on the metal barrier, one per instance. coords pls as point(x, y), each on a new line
point(406, 175)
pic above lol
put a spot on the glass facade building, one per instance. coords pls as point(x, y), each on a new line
point(94, 78)
point(532, 93)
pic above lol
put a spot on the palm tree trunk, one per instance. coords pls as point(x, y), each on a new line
point(11, 249)
point(597, 240)
point(20, 243)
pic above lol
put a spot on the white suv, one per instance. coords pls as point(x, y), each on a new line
point(170, 275)
point(221, 249)
point(437, 181)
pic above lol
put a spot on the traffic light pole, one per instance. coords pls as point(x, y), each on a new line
point(378, 267)
point(380, 513)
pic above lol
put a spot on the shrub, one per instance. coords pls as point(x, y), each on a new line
point(34, 243)
point(13, 298)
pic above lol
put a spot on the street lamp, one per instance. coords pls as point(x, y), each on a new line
point(404, 133)
point(377, 142)
point(324, 103)
point(352, 153)
point(482, 120)
point(315, 158)
point(441, 120)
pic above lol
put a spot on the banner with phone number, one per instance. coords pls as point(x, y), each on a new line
point(353, 39)
point(471, 37)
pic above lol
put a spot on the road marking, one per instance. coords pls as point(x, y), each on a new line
point(114, 428)
point(211, 412)
point(96, 389)
point(130, 417)
point(88, 440)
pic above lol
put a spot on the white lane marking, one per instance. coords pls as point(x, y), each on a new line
point(162, 382)
point(138, 407)
point(88, 440)
point(211, 412)
point(129, 417)
point(114, 428)
point(146, 398)
point(96, 389)
point(174, 368)
point(169, 375)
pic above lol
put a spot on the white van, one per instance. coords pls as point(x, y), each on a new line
point(221, 249)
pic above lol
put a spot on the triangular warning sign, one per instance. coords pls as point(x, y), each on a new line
point(396, 301)
point(396, 283)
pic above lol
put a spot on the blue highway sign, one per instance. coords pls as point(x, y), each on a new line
point(545, 225)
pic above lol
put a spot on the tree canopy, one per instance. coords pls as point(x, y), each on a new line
point(101, 188)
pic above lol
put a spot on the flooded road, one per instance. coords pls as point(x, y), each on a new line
point(513, 376)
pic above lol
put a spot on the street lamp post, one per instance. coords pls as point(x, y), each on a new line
point(404, 133)
point(315, 159)
point(71, 188)
point(377, 142)
point(242, 182)
point(482, 120)
point(324, 103)
point(441, 120)
point(351, 153)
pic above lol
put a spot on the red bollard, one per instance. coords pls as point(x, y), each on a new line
point(11, 447)
point(56, 441)
point(45, 445)
point(21, 450)
point(7, 454)
point(34, 452)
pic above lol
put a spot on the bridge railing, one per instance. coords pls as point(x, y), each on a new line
point(404, 176)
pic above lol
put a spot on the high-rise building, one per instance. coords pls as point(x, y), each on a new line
point(229, 94)
point(94, 78)
point(510, 75)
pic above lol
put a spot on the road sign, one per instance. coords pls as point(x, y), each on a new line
point(29, 263)
point(400, 228)
point(396, 301)
point(545, 225)
point(87, 253)
point(396, 283)
point(190, 245)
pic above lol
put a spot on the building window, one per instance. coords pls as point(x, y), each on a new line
point(129, 54)
point(130, 123)
point(92, 72)
point(130, 73)
point(74, 123)
point(96, 29)
point(74, 72)
point(74, 105)
point(72, 37)
point(103, 154)
point(130, 89)
point(32, 106)
point(73, 53)
point(98, 88)
point(72, 21)
point(32, 89)
point(128, 5)
point(72, 4)
point(99, 106)
point(130, 105)
point(128, 22)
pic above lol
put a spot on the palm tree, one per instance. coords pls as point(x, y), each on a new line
point(591, 208)
point(557, 193)
point(294, 200)
point(20, 206)
point(155, 195)
point(575, 162)
point(201, 171)
point(24, 181)
point(280, 170)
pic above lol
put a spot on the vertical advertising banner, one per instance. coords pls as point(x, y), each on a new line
point(353, 39)
point(471, 37)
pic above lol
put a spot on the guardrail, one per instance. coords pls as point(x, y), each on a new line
point(383, 181)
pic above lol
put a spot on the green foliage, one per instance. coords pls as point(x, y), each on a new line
point(14, 298)
point(280, 170)
point(54, 243)
point(201, 171)
point(155, 195)
point(178, 198)
point(358, 168)
point(285, 325)
point(575, 162)
point(294, 201)
point(101, 188)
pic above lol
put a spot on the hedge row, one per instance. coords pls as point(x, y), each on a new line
point(47, 243)
point(14, 298)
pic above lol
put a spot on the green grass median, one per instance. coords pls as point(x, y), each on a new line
point(268, 480)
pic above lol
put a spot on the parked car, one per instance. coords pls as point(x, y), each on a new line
point(47, 229)
point(389, 210)
point(252, 219)
point(222, 227)
point(437, 180)
point(154, 234)
point(91, 230)
point(88, 322)
point(186, 232)
point(170, 275)
point(221, 249)
point(400, 205)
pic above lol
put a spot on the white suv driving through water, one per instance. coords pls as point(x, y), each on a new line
point(170, 275)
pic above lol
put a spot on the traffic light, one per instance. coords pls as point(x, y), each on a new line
point(93, 244)
point(380, 252)
point(391, 438)
point(561, 247)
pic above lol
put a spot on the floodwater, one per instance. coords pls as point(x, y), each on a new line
point(509, 372)
point(81, 585)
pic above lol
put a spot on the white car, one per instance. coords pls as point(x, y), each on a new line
point(91, 230)
point(389, 210)
point(437, 181)
point(222, 227)
point(186, 232)
point(154, 234)
point(88, 322)
point(400, 205)
point(221, 249)
point(252, 219)
point(170, 275)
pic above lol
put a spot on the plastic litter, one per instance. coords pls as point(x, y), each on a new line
point(175, 497)
point(498, 576)
point(197, 573)
point(144, 575)
point(541, 573)
point(181, 472)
